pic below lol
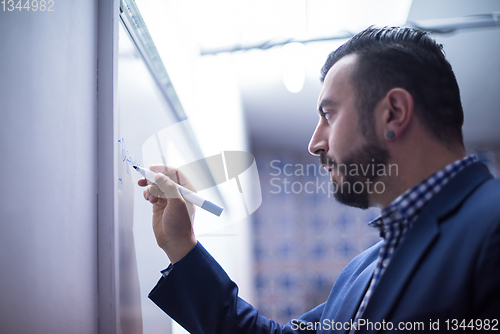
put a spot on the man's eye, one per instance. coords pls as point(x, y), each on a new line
point(327, 115)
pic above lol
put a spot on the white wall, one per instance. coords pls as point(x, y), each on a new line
point(48, 214)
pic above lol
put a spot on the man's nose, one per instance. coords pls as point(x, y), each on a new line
point(319, 141)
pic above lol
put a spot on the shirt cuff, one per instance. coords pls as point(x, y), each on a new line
point(167, 271)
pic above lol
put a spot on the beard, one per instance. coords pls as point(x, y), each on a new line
point(371, 158)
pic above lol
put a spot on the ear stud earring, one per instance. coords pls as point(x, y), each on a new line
point(390, 134)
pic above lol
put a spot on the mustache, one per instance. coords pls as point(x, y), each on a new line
point(326, 161)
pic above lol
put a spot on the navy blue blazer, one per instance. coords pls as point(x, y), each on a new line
point(445, 271)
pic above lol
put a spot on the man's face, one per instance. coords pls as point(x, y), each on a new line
point(352, 157)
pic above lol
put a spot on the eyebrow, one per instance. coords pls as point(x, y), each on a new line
point(325, 103)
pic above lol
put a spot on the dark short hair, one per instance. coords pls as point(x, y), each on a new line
point(410, 59)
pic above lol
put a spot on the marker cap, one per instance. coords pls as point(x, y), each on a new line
point(211, 207)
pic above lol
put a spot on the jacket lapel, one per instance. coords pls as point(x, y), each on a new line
point(420, 237)
point(404, 260)
point(353, 296)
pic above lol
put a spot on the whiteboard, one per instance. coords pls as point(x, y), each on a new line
point(143, 110)
point(151, 128)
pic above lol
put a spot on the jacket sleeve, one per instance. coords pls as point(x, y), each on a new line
point(199, 295)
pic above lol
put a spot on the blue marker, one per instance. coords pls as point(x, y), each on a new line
point(188, 195)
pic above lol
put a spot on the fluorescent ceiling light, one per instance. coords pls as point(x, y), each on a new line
point(294, 66)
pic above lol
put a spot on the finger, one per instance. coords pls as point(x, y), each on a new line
point(167, 186)
point(174, 174)
point(159, 190)
point(149, 197)
point(142, 182)
point(156, 191)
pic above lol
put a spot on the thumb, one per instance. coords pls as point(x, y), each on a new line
point(168, 186)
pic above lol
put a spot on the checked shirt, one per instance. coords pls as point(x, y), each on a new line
point(394, 221)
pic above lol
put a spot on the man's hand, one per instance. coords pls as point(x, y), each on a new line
point(172, 216)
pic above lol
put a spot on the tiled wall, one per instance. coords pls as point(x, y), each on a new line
point(302, 237)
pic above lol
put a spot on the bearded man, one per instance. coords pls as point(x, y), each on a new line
point(389, 97)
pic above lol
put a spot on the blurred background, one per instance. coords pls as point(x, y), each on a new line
point(247, 76)
point(301, 240)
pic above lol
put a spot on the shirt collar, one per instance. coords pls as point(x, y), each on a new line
point(408, 204)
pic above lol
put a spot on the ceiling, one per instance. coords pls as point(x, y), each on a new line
point(283, 120)
point(279, 119)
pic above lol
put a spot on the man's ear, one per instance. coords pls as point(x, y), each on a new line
point(397, 113)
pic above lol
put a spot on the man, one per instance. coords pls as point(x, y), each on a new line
point(389, 98)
